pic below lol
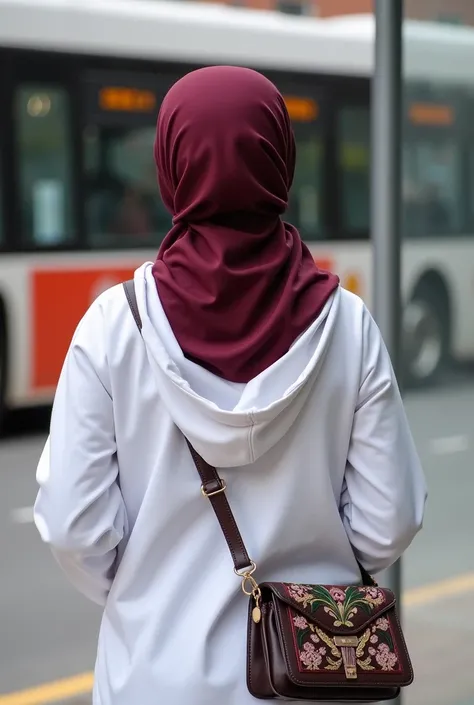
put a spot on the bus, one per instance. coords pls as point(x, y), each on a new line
point(81, 84)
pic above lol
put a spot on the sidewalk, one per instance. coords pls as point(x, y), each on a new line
point(440, 639)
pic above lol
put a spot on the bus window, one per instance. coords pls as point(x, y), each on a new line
point(44, 156)
point(353, 156)
point(432, 186)
point(304, 208)
point(123, 205)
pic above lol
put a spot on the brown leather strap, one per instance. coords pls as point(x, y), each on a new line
point(213, 487)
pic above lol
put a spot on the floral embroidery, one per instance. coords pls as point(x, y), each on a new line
point(300, 622)
point(337, 594)
point(375, 595)
point(340, 604)
point(329, 657)
point(312, 657)
point(316, 650)
point(297, 591)
point(385, 658)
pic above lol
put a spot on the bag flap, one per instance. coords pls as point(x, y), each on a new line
point(340, 637)
point(336, 609)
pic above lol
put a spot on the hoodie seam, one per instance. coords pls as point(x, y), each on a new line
point(250, 437)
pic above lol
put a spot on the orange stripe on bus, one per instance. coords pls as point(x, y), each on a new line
point(324, 263)
point(59, 300)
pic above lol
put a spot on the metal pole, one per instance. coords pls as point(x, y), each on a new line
point(386, 190)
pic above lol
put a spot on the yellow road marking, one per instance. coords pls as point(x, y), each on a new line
point(426, 594)
point(82, 684)
point(51, 692)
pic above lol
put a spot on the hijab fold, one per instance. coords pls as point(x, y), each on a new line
point(237, 284)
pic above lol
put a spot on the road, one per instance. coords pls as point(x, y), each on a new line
point(48, 632)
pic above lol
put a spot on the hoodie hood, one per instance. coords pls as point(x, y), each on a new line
point(231, 424)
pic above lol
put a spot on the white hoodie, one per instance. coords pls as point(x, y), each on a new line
point(316, 453)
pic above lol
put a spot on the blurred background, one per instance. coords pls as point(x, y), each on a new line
point(81, 83)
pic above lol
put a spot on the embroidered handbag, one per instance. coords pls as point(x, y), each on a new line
point(310, 642)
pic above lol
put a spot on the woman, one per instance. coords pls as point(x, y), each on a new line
point(276, 375)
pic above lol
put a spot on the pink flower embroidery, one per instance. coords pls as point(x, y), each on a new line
point(315, 638)
point(374, 595)
point(298, 592)
point(374, 639)
point(300, 622)
point(372, 651)
point(371, 592)
point(312, 657)
point(382, 623)
point(337, 594)
point(385, 658)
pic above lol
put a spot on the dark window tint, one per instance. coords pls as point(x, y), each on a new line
point(353, 157)
point(123, 208)
point(305, 206)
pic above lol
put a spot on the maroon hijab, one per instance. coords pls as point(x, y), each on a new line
point(237, 284)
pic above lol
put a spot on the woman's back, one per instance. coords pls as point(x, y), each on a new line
point(316, 454)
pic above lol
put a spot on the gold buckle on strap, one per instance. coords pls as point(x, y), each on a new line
point(221, 489)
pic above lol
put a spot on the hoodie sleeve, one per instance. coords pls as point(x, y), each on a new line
point(384, 491)
point(79, 510)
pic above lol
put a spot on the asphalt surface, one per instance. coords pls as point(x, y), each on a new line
point(47, 632)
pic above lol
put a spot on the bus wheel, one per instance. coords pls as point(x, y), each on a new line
point(425, 335)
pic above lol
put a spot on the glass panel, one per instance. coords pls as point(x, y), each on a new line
point(432, 186)
point(123, 206)
point(45, 165)
point(353, 154)
point(306, 196)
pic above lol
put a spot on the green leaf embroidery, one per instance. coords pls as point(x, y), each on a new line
point(301, 635)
